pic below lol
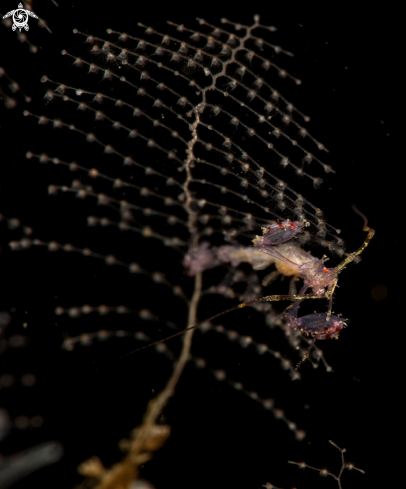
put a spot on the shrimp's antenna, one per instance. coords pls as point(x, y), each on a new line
point(351, 256)
point(357, 211)
point(267, 298)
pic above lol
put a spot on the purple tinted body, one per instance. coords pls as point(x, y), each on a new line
point(317, 326)
point(200, 259)
point(280, 232)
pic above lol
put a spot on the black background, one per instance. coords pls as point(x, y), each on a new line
point(350, 61)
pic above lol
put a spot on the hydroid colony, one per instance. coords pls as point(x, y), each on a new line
point(163, 145)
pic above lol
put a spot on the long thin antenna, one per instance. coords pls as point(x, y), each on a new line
point(355, 209)
point(267, 298)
